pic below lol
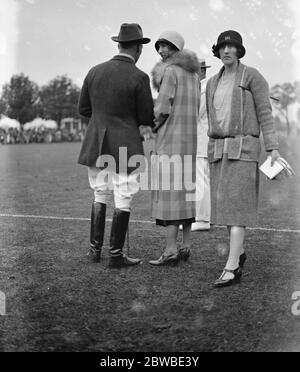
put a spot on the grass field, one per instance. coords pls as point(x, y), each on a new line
point(56, 300)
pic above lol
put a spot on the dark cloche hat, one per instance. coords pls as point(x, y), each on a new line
point(229, 37)
point(131, 33)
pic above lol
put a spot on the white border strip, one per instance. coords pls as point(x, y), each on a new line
point(58, 218)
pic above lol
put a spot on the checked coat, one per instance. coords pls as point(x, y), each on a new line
point(176, 114)
point(116, 97)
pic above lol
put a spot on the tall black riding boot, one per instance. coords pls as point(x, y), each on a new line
point(117, 238)
point(97, 230)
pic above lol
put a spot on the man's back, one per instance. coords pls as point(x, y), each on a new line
point(117, 98)
point(113, 86)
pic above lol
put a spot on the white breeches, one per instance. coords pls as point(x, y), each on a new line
point(123, 186)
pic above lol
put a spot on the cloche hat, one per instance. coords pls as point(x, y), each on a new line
point(229, 37)
point(171, 37)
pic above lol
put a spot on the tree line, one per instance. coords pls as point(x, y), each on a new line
point(22, 99)
point(287, 94)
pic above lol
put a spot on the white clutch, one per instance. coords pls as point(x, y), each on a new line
point(279, 166)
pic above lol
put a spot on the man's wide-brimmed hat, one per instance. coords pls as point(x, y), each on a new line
point(131, 33)
point(203, 64)
point(229, 37)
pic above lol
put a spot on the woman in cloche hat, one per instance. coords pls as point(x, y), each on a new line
point(239, 109)
point(176, 115)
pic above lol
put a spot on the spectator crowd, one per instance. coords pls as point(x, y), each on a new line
point(39, 135)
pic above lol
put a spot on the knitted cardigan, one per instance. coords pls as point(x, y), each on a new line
point(251, 115)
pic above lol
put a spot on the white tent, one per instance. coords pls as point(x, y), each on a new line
point(39, 123)
point(6, 123)
point(50, 124)
point(36, 123)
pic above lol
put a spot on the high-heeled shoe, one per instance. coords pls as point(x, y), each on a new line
point(184, 253)
point(243, 258)
point(220, 283)
point(165, 260)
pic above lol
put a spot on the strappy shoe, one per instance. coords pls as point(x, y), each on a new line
point(184, 253)
point(220, 283)
point(165, 260)
point(242, 260)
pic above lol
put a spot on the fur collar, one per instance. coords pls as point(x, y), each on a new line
point(185, 59)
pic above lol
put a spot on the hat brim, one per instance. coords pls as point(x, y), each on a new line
point(143, 40)
point(164, 41)
point(218, 46)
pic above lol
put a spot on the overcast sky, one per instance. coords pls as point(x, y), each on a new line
point(46, 38)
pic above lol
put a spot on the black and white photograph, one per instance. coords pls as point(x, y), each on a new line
point(149, 179)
